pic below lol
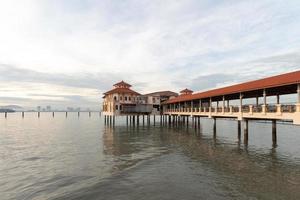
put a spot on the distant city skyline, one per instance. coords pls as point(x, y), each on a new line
point(66, 53)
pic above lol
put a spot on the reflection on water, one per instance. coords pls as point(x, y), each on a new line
point(81, 158)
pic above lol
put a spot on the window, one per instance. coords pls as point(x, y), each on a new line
point(125, 98)
point(153, 99)
point(115, 98)
point(129, 98)
point(116, 107)
point(121, 98)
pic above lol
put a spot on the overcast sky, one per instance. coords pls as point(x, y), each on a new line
point(68, 52)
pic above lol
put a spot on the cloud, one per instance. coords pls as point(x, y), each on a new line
point(80, 48)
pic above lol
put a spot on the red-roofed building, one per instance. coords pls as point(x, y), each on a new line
point(123, 100)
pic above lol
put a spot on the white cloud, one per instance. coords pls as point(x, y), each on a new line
point(156, 44)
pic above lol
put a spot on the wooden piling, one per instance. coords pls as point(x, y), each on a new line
point(138, 120)
point(5, 114)
point(127, 120)
point(154, 119)
point(89, 114)
point(66, 114)
point(39, 114)
point(23, 114)
point(52, 114)
point(78, 114)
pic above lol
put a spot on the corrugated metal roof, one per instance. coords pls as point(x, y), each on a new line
point(274, 81)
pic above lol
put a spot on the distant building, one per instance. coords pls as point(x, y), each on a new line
point(70, 109)
point(48, 108)
point(123, 100)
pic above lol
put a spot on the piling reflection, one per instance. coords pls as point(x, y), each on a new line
point(266, 173)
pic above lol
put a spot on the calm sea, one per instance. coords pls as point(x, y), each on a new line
point(81, 158)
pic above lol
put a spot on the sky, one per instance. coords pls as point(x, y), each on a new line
point(68, 52)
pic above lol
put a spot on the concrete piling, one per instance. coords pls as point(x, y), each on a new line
point(239, 130)
point(246, 131)
point(274, 133)
point(215, 126)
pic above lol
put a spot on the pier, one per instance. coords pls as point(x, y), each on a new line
point(217, 103)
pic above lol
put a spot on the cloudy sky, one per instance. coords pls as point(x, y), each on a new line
point(68, 52)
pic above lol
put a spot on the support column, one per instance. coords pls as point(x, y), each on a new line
point(154, 119)
point(78, 114)
point(187, 120)
point(298, 92)
point(241, 102)
point(114, 120)
point(239, 130)
point(223, 108)
point(66, 114)
point(5, 114)
point(215, 127)
point(143, 120)
point(264, 106)
point(89, 114)
point(39, 114)
point(127, 120)
point(138, 120)
point(52, 114)
point(274, 133)
point(200, 106)
point(245, 131)
point(22, 114)
point(133, 119)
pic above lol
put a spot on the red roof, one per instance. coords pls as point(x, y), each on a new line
point(122, 84)
point(121, 91)
point(186, 91)
point(274, 81)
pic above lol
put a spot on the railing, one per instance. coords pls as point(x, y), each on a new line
point(257, 109)
point(270, 108)
point(226, 109)
point(288, 108)
point(235, 109)
point(245, 109)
